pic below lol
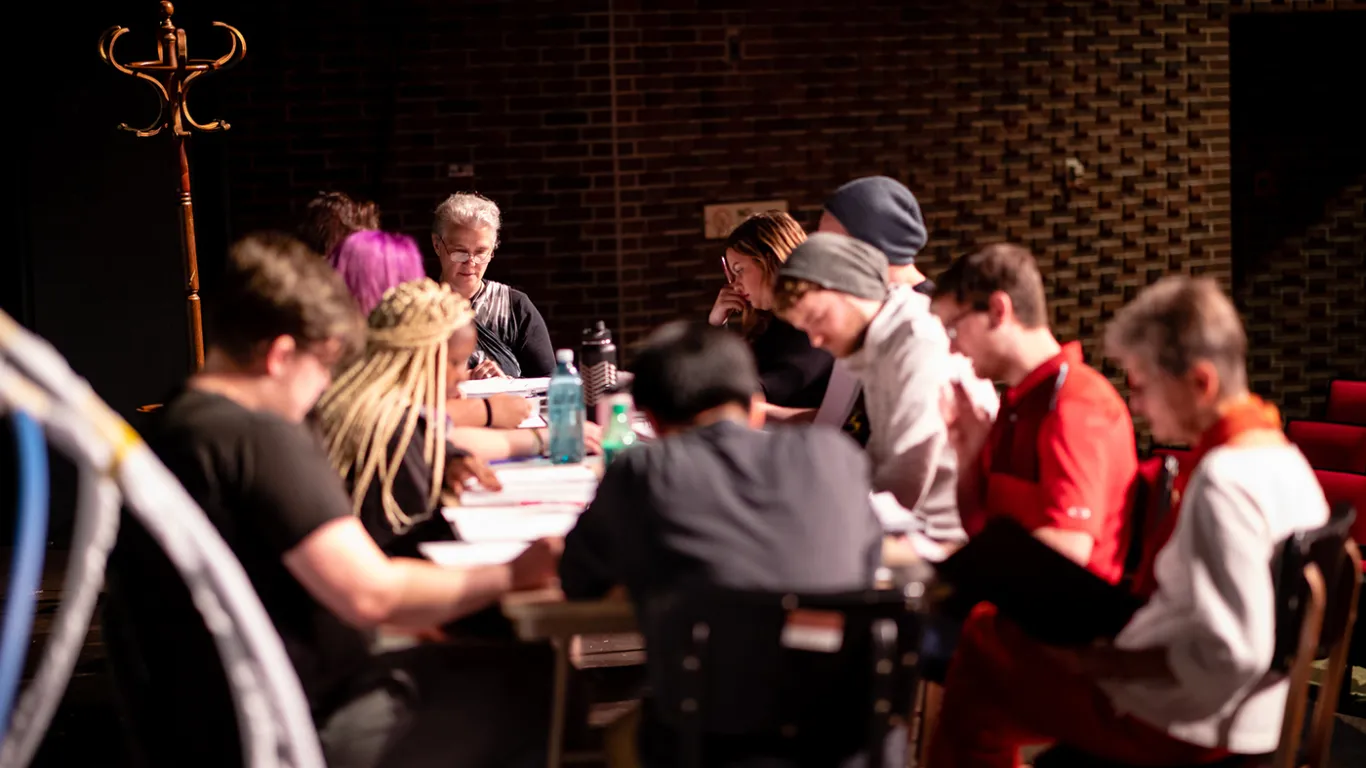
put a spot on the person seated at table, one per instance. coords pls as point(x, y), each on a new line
point(793, 374)
point(331, 216)
point(883, 213)
point(512, 333)
point(234, 438)
point(385, 425)
point(1187, 680)
point(835, 289)
point(384, 420)
point(716, 501)
point(1059, 458)
point(372, 262)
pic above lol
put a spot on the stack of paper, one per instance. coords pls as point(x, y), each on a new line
point(460, 554)
point(486, 387)
point(537, 483)
point(524, 524)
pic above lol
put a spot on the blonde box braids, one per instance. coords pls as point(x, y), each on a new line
point(401, 375)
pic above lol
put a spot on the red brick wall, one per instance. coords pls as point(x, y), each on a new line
point(975, 105)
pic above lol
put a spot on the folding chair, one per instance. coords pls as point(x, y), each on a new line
point(794, 679)
point(1337, 447)
point(1318, 577)
point(1347, 402)
point(1320, 580)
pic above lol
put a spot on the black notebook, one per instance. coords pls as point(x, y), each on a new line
point(1051, 598)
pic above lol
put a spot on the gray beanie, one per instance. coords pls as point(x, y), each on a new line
point(839, 263)
point(883, 213)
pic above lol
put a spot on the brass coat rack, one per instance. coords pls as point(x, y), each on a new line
point(171, 74)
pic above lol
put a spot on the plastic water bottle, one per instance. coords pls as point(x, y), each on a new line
point(565, 400)
point(619, 435)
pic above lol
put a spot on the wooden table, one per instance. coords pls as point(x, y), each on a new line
point(607, 626)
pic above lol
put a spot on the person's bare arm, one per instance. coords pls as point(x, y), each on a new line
point(498, 444)
point(1074, 545)
point(508, 411)
point(786, 415)
point(343, 569)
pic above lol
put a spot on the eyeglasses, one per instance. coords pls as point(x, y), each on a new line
point(951, 327)
point(460, 257)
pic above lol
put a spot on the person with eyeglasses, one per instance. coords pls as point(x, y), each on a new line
point(1190, 679)
point(513, 338)
point(836, 289)
point(1059, 458)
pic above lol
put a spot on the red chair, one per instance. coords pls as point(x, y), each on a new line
point(1349, 488)
point(1335, 447)
point(1347, 402)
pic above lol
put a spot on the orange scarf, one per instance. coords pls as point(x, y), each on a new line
point(1247, 414)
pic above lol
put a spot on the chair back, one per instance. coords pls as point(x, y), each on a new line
point(1336, 447)
point(1347, 402)
point(1346, 488)
point(1150, 515)
point(1317, 576)
point(833, 673)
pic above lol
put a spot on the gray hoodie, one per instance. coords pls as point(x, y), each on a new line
point(905, 367)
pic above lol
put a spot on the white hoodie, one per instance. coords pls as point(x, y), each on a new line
point(905, 367)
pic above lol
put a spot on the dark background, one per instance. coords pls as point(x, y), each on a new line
point(1216, 138)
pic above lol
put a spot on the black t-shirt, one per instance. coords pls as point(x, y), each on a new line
point(511, 324)
point(411, 488)
point(266, 485)
point(793, 373)
point(726, 505)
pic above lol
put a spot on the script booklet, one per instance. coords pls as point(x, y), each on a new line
point(1050, 597)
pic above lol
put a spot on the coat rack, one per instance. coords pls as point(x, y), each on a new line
point(171, 74)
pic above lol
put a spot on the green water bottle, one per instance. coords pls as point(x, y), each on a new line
point(618, 436)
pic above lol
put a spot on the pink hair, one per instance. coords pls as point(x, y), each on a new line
point(371, 262)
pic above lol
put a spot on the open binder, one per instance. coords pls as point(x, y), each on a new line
point(1051, 598)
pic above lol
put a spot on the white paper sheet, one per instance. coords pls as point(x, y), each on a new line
point(570, 493)
point(896, 519)
point(541, 474)
point(486, 387)
point(460, 554)
point(534, 421)
point(524, 524)
point(840, 396)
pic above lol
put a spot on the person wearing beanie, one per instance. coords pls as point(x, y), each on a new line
point(883, 213)
point(835, 288)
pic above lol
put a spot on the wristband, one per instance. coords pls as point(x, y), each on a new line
point(488, 413)
point(540, 443)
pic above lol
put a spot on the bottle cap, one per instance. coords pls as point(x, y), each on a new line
point(564, 355)
point(619, 409)
point(598, 334)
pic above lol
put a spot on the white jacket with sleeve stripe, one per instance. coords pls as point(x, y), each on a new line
point(905, 367)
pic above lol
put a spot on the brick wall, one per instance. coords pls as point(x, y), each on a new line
point(975, 105)
point(1304, 308)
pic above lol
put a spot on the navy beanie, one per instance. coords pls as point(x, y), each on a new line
point(883, 213)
